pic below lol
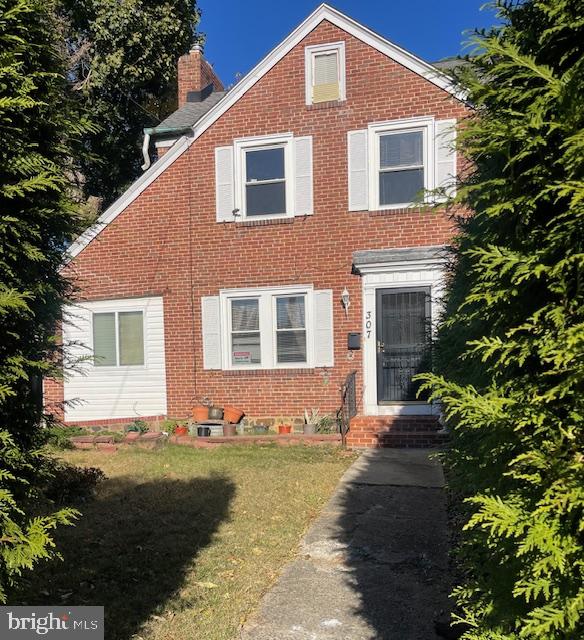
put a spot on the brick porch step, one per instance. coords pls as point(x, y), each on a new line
point(395, 431)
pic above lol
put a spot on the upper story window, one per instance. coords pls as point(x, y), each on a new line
point(325, 73)
point(265, 181)
point(401, 162)
point(118, 338)
point(401, 167)
point(264, 176)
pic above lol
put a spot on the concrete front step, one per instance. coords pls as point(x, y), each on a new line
point(395, 431)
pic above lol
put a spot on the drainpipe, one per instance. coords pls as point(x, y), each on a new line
point(157, 131)
point(145, 148)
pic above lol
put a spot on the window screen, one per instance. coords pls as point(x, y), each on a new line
point(131, 334)
point(291, 329)
point(245, 332)
point(401, 167)
point(265, 184)
point(104, 339)
point(325, 77)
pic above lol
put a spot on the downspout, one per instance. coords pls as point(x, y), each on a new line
point(175, 131)
point(145, 149)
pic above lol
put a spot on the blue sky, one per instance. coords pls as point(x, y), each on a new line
point(239, 33)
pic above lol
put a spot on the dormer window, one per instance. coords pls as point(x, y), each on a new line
point(325, 73)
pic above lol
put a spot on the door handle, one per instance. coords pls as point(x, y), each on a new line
point(380, 346)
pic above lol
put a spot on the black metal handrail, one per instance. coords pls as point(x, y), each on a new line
point(348, 408)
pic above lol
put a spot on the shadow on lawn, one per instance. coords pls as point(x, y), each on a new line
point(132, 547)
point(396, 545)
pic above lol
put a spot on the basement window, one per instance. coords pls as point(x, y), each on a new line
point(325, 73)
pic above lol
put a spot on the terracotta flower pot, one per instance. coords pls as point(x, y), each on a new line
point(181, 431)
point(232, 414)
point(229, 430)
point(284, 428)
point(200, 413)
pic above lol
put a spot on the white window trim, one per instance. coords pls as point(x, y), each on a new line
point(375, 131)
point(116, 311)
point(267, 305)
point(309, 54)
point(241, 145)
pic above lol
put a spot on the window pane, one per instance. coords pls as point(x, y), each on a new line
point(291, 346)
point(245, 315)
point(265, 164)
point(131, 328)
point(245, 348)
point(400, 187)
point(104, 339)
point(326, 70)
point(400, 149)
point(290, 312)
point(266, 199)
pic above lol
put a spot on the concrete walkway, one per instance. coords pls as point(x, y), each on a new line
point(374, 564)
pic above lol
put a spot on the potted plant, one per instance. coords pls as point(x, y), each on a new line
point(215, 413)
point(181, 430)
point(310, 421)
point(232, 414)
point(284, 428)
point(200, 412)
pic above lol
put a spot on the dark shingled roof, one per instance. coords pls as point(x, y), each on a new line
point(188, 114)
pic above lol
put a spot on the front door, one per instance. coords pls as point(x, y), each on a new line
point(403, 332)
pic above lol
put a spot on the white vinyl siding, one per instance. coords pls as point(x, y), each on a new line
point(136, 385)
point(271, 328)
point(325, 75)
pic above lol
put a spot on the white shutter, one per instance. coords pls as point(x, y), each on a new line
point(358, 159)
point(446, 155)
point(224, 184)
point(303, 175)
point(211, 323)
point(323, 329)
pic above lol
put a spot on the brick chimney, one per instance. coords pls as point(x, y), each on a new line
point(196, 78)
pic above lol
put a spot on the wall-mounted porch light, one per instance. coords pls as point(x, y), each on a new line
point(346, 300)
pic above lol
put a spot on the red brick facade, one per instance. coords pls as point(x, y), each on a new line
point(168, 243)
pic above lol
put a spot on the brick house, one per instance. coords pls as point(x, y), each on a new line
point(273, 247)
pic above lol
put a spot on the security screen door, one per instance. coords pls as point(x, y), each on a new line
point(403, 333)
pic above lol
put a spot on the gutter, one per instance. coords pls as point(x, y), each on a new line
point(155, 131)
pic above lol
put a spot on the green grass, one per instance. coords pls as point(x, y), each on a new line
point(181, 544)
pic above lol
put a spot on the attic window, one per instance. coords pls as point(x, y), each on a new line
point(325, 73)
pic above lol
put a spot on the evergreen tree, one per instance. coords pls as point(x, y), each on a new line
point(38, 130)
point(122, 58)
point(509, 359)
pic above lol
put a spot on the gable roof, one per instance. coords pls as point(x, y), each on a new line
point(199, 126)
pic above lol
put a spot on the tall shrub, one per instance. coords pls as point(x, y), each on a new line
point(510, 356)
point(38, 130)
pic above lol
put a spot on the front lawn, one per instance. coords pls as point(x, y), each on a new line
point(180, 544)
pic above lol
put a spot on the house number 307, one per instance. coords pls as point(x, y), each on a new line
point(368, 323)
